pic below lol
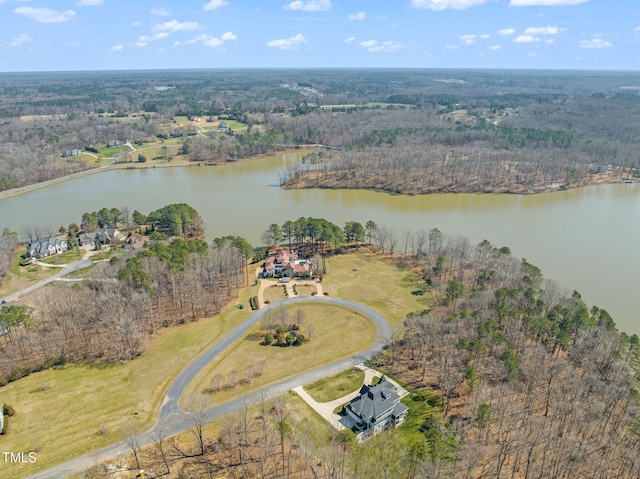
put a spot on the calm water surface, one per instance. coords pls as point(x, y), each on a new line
point(587, 239)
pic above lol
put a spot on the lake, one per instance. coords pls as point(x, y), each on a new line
point(585, 238)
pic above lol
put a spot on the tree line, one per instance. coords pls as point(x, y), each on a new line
point(110, 315)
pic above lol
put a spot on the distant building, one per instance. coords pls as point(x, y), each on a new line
point(74, 152)
point(376, 408)
point(87, 239)
point(103, 236)
point(286, 265)
point(112, 143)
point(46, 247)
point(109, 236)
point(222, 126)
point(136, 241)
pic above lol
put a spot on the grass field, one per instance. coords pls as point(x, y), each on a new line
point(111, 152)
point(65, 258)
point(274, 293)
point(334, 387)
point(305, 290)
point(21, 277)
point(379, 283)
point(64, 410)
point(337, 333)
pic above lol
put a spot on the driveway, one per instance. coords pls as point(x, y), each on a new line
point(173, 420)
point(69, 268)
point(325, 409)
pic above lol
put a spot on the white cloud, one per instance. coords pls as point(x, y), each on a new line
point(468, 39)
point(444, 4)
point(507, 31)
point(387, 46)
point(309, 5)
point(495, 47)
point(292, 43)
point(543, 30)
point(199, 38)
point(452, 47)
point(116, 48)
point(20, 40)
point(532, 54)
point(357, 16)
point(549, 41)
point(545, 3)
point(89, 3)
point(213, 42)
point(136, 24)
point(144, 40)
point(45, 15)
point(349, 40)
point(176, 26)
point(637, 29)
point(376, 46)
point(368, 43)
point(526, 39)
point(214, 5)
point(595, 43)
point(484, 36)
point(160, 12)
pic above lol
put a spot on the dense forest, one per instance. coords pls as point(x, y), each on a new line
point(412, 131)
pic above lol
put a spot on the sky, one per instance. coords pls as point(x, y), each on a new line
point(71, 35)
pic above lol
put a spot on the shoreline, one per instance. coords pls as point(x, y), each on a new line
point(122, 166)
point(287, 185)
point(534, 191)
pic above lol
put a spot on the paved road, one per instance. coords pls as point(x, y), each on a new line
point(71, 267)
point(172, 419)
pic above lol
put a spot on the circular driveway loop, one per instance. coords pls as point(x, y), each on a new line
point(172, 419)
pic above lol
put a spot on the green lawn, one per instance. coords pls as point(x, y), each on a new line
point(64, 410)
point(111, 152)
point(65, 258)
point(337, 333)
point(368, 278)
point(334, 387)
point(236, 125)
point(20, 277)
point(305, 290)
point(274, 293)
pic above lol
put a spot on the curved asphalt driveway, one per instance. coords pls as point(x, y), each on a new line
point(172, 419)
point(71, 267)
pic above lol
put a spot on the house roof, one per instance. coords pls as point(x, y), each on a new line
point(374, 401)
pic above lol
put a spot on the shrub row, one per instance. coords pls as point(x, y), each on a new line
point(253, 301)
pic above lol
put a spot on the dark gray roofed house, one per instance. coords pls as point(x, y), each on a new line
point(109, 236)
point(112, 143)
point(222, 126)
point(376, 409)
point(46, 247)
point(87, 239)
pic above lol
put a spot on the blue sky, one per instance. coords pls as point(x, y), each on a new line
point(39, 35)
